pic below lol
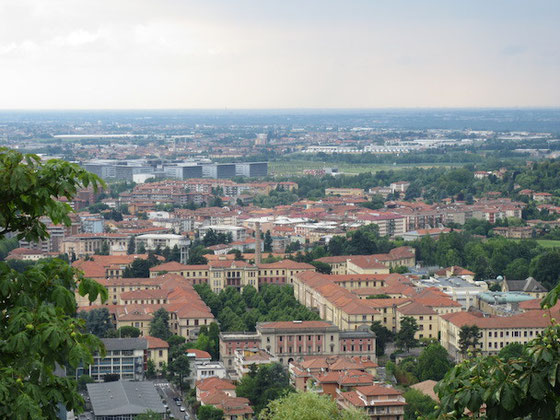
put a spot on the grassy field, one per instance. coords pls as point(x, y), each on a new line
point(548, 243)
point(545, 243)
point(296, 167)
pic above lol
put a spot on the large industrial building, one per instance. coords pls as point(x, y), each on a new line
point(125, 170)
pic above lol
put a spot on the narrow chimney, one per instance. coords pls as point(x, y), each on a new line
point(258, 256)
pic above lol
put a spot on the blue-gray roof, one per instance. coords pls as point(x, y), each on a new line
point(124, 397)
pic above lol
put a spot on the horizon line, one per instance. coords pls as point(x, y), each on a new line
point(457, 108)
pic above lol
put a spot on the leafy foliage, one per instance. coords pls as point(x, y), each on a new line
point(383, 336)
point(38, 331)
point(308, 406)
point(241, 311)
point(159, 327)
point(98, 321)
point(469, 338)
point(433, 363)
point(418, 404)
point(267, 383)
point(209, 412)
point(149, 415)
point(404, 338)
point(522, 387)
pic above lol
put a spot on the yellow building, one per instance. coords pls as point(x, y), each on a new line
point(158, 351)
point(426, 318)
point(496, 331)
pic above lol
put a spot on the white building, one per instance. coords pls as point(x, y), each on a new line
point(206, 369)
point(152, 241)
point(238, 233)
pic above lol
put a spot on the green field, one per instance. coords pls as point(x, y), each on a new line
point(296, 167)
point(545, 243)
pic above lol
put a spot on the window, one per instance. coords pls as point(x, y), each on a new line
point(161, 353)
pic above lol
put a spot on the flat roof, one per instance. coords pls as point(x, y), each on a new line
point(125, 343)
point(124, 397)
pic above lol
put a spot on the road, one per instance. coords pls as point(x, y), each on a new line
point(168, 392)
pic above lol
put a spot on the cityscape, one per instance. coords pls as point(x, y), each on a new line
point(259, 240)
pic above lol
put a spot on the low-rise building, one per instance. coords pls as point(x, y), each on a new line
point(246, 358)
point(292, 340)
point(496, 331)
point(379, 401)
point(126, 357)
point(529, 286)
point(158, 351)
point(122, 400)
point(221, 394)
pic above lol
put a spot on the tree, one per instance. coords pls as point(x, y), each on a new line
point(418, 405)
point(511, 351)
point(175, 254)
point(141, 249)
point(98, 321)
point(209, 412)
point(104, 250)
point(140, 268)
point(83, 380)
point(405, 336)
point(321, 267)
point(128, 331)
point(111, 377)
point(267, 243)
point(521, 388)
point(149, 415)
point(269, 383)
point(151, 369)
point(433, 363)
point(159, 327)
point(383, 336)
point(180, 368)
point(131, 246)
point(469, 338)
point(196, 256)
point(308, 406)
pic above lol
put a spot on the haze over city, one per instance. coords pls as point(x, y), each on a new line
point(279, 210)
point(65, 54)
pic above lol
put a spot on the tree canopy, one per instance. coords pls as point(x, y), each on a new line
point(308, 406)
point(38, 330)
point(263, 385)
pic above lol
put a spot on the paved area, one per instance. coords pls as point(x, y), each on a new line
point(168, 393)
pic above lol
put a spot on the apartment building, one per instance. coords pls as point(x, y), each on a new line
point(371, 264)
point(221, 394)
point(293, 340)
point(86, 244)
point(426, 319)
point(334, 303)
point(346, 192)
point(379, 401)
point(238, 233)
point(219, 274)
point(496, 331)
point(389, 223)
point(187, 311)
point(126, 357)
point(281, 272)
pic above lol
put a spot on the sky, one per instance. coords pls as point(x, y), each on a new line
point(258, 54)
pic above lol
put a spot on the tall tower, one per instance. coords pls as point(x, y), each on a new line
point(258, 256)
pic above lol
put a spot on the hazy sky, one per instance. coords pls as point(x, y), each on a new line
point(278, 53)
